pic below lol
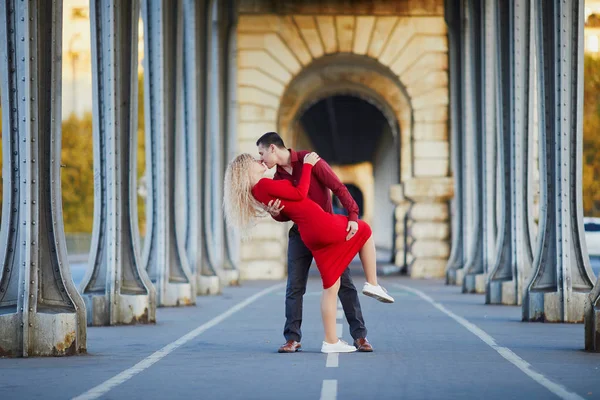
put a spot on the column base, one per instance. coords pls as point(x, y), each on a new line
point(132, 309)
point(229, 277)
point(502, 292)
point(469, 283)
point(52, 334)
point(547, 307)
point(177, 295)
point(207, 285)
point(480, 283)
point(460, 277)
point(592, 329)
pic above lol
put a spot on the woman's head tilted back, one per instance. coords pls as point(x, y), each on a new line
point(239, 204)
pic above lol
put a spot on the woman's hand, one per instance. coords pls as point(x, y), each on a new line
point(311, 158)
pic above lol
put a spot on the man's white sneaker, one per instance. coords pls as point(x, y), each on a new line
point(339, 347)
point(377, 292)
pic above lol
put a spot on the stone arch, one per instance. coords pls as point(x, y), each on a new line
point(398, 62)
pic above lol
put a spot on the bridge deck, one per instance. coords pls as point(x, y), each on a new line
point(423, 350)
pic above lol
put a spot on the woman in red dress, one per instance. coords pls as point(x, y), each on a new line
point(246, 193)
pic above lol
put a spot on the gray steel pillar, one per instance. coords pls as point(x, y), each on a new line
point(453, 16)
point(41, 312)
point(513, 255)
point(214, 169)
point(164, 255)
point(562, 277)
point(194, 108)
point(489, 161)
point(474, 117)
point(116, 288)
point(229, 72)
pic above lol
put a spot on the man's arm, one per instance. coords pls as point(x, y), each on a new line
point(325, 174)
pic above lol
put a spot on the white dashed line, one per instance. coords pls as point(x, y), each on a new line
point(329, 389)
point(505, 352)
point(338, 330)
point(340, 314)
point(333, 360)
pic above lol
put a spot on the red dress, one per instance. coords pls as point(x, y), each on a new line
point(322, 232)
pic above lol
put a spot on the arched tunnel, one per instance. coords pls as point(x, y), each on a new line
point(357, 140)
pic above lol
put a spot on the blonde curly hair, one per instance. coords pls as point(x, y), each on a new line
point(239, 205)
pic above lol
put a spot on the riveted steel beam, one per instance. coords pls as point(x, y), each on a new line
point(195, 16)
point(488, 145)
point(231, 274)
point(116, 288)
point(474, 132)
point(453, 14)
point(41, 312)
point(164, 255)
point(513, 247)
point(562, 277)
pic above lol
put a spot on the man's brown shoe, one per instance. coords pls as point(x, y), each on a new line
point(291, 346)
point(363, 345)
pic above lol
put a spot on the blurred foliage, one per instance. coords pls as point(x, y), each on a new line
point(77, 173)
point(591, 137)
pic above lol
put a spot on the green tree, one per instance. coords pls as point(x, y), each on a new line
point(77, 173)
point(591, 137)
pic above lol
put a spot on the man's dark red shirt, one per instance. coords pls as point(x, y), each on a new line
point(323, 179)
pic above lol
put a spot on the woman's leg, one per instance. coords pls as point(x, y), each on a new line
point(329, 310)
point(368, 258)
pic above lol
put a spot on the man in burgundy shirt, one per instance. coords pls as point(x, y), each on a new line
point(289, 166)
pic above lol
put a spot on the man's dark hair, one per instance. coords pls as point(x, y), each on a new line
point(270, 138)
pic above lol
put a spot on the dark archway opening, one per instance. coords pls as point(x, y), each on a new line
point(344, 129)
point(353, 134)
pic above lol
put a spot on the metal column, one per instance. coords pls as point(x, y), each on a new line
point(164, 255)
point(474, 61)
point(453, 15)
point(117, 289)
point(41, 312)
point(562, 277)
point(513, 247)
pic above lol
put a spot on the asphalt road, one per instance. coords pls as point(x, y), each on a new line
point(433, 343)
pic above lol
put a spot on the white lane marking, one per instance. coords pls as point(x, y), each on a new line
point(146, 363)
point(505, 352)
point(333, 360)
point(338, 330)
point(339, 304)
point(340, 314)
point(329, 389)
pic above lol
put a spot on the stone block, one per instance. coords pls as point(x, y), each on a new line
point(427, 189)
point(207, 285)
point(397, 194)
point(431, 149)
point(253, 77)
point(290, 34)
point(417, 47)
point(262, 269)
point(254, 113)
point(252, 95)
point(436, 97)
point(344, 25)
point(381, 32)
point(268, 249)
point(362, 36)
point(326, 26)
point(430, 230)
point(253, 130)
point(430, 249)
point(430, 132)
point(428, 268)
point(437, 212)
point(310, 33)
point(264, 61)
point(266, 228)
point(438, 113)
point(423, 66)
point(432, 80)
point(402, 34)
point(257, 23)
point(432, 167)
